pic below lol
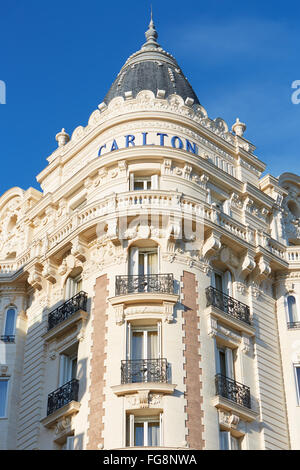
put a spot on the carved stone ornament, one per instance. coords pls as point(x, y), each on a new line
point(63, 426)
point(35, 278)
point(168, 311)
point(143, 399)
point(245, 345)
point(212, 327)
point(119, 314)
point(3, 370)
point(228, 419)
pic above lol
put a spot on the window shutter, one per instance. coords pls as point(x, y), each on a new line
point(63, 369)
point(159, 338)
point(224, 440)
point(229, 363)
point(131, 182)
point(228, 283)
point(154, 182)
point(131, 430)
point(227, 207)
point(128, 342)
point(134, 261)
point(161, 430)
point(70, 443)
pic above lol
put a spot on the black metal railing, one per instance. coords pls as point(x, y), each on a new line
point(68, 308)
point(293, 325)
point(8, 338)
point(227, 304)
point(144, 370)
point(157, 283)
point(62, 396)
point(232, 390)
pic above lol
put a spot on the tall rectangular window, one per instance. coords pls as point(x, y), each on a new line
point(3, 397)
point(10, 321)
point(229, 442)
point(297, 374)
point(144, 431)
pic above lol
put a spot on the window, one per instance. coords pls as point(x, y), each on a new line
point(144, 343)
point(226, 362)
point(73, 286)
point(10, 323)
point(292, 309)
point(69, 444)
point(143, 183)
point(68, 366)
point(143, 261)
point(144, 431)
point(229, 442)
point(3, 397)
point(297, 377)
point(223, 282)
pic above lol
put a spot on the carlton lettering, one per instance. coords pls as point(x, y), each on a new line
point(143, 139)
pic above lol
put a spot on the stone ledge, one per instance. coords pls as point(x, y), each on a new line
point(234, 323)
point(70, 409)
point(65, 325)
point(126, 389)
point(142, 297)
point(246, 414)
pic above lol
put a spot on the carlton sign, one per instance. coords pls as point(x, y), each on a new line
point(144, 139)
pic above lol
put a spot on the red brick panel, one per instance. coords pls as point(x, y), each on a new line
point(193, 379)
point(98, 356)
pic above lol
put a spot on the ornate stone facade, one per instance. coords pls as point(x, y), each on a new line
point(154, 248)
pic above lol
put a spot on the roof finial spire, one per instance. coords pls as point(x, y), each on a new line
point(151, 34)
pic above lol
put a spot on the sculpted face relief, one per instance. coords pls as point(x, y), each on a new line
point(142, 138)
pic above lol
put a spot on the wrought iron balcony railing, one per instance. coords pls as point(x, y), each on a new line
point(227, 304)
point(293, 325)
point(68, 308)
point(8, 338)
point(232, 390)
point(155, 283)
point(144, 370)
point(62, 396)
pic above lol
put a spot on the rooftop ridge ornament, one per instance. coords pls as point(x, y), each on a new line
point(151, 35)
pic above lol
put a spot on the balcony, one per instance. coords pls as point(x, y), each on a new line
point(232, 390)
point(144, 375)
point(144, 289)
point(8, 338)
point(231, 307)
point(150, 283)
point(144, 370)
point(63, 396)
point(233, 397)
point(67, 309)
point(62, 403)
point(66, 316)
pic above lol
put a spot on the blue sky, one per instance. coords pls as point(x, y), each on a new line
point(58, 60)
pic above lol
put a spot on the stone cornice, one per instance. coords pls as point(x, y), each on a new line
point(146, 106)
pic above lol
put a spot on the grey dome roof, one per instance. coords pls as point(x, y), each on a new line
point(151, 68)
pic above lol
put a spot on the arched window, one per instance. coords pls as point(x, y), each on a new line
point(292, 309)
point(10, 324)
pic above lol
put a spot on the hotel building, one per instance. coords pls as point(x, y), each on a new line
point(150, 291)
